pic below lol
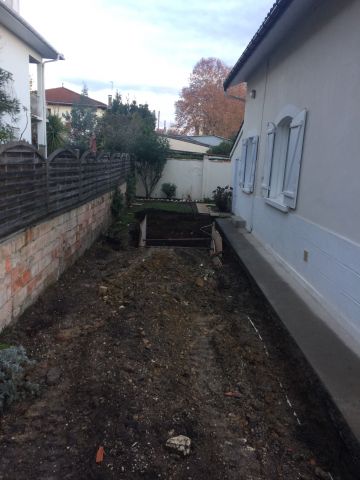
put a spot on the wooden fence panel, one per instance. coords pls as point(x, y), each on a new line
point(88, 168)
point(103, 172)
point(63, 180)
point(22, 186)
point(116, 168)
point(32, 188)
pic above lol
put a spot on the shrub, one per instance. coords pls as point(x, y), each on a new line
point(169, 189)
point(222, 197)
point(13, 383)
point(117, 204)
point(130, 189)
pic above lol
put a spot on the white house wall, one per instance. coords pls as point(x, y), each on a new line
point(14, 57)
point(193, 178)
point(316, 68)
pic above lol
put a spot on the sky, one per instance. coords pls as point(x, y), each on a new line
point(145, 49)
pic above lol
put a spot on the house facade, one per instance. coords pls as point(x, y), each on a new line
point(296, 165)
point(24, 50)
point(183, 143)
point(60, 100)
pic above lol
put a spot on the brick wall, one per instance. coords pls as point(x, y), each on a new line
point(35, 257)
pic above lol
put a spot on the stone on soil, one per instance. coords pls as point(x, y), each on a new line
point(180, 444)
point(103, 290)
point(53, 376)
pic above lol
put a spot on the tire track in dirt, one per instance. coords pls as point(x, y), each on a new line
point(231, 449)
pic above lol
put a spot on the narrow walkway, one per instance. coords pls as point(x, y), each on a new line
point(336, 365)
point(203, 208)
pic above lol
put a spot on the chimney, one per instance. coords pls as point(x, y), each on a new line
point(109, 101)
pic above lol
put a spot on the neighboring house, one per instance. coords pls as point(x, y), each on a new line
point(209, 140)
point(182, 143)
point(59, 101)
point(296, 159)
point(23, 49)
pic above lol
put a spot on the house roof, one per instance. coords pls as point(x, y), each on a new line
point(184, 138)
point(210, 140)
point(283, 16)
point(64, 96)
point(21, 29)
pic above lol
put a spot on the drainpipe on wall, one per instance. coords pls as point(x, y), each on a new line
point(42, 107)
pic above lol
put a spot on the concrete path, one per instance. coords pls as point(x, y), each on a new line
point(337, 366)
point(202, 208)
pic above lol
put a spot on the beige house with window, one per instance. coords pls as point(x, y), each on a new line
point(60, 100)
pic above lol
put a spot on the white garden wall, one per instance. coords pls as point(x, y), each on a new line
point(194, 178)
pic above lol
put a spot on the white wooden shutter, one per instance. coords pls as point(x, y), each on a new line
point(242, 163)
point(293, 159)
point(250, 164)
point(269, 152)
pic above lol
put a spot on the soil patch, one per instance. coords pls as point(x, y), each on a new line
point(134, 347)
point(161, 224)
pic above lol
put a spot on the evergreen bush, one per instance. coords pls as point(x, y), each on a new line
point(13, 384)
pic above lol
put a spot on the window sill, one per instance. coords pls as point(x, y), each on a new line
point(279, 206)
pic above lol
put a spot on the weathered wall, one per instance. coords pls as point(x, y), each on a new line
point(306, 71)
point(35, 257)
point(194, 178)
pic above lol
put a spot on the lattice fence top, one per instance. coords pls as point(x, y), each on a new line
point(32, 187)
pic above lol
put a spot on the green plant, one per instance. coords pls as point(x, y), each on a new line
point(55, 133)
point(9, 107)
point(222, 197)
point(117, 204)
point(151, 153)
point(169, 189)
point(13, 382)
point(82, 122)
point(130, 189)
point(224, 148)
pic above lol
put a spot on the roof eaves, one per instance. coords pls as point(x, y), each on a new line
point(69, 104)
point(23, 30)
point(274, 14)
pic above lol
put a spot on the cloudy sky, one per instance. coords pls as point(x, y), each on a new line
point(146, 49)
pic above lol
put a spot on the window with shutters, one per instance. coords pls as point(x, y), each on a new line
point(283, 154)
point(248, 163)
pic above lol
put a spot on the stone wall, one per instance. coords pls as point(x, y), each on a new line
point(35, 257)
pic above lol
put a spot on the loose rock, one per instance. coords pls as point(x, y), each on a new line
point(103, 290)
point(53, 376)
point(199, 282)
point(180, 444)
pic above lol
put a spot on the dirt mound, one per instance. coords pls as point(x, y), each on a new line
point(135, 347)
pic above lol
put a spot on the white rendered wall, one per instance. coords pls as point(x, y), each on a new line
point(194, 178)
point(317, 68)
point(61, 110)
point(14, 57)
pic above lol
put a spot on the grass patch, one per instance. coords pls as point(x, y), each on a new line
point(182, 207)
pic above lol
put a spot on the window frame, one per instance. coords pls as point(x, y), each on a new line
point(247, 163)
point(283, 155)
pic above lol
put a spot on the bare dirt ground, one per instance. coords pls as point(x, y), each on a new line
point(133, 347)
